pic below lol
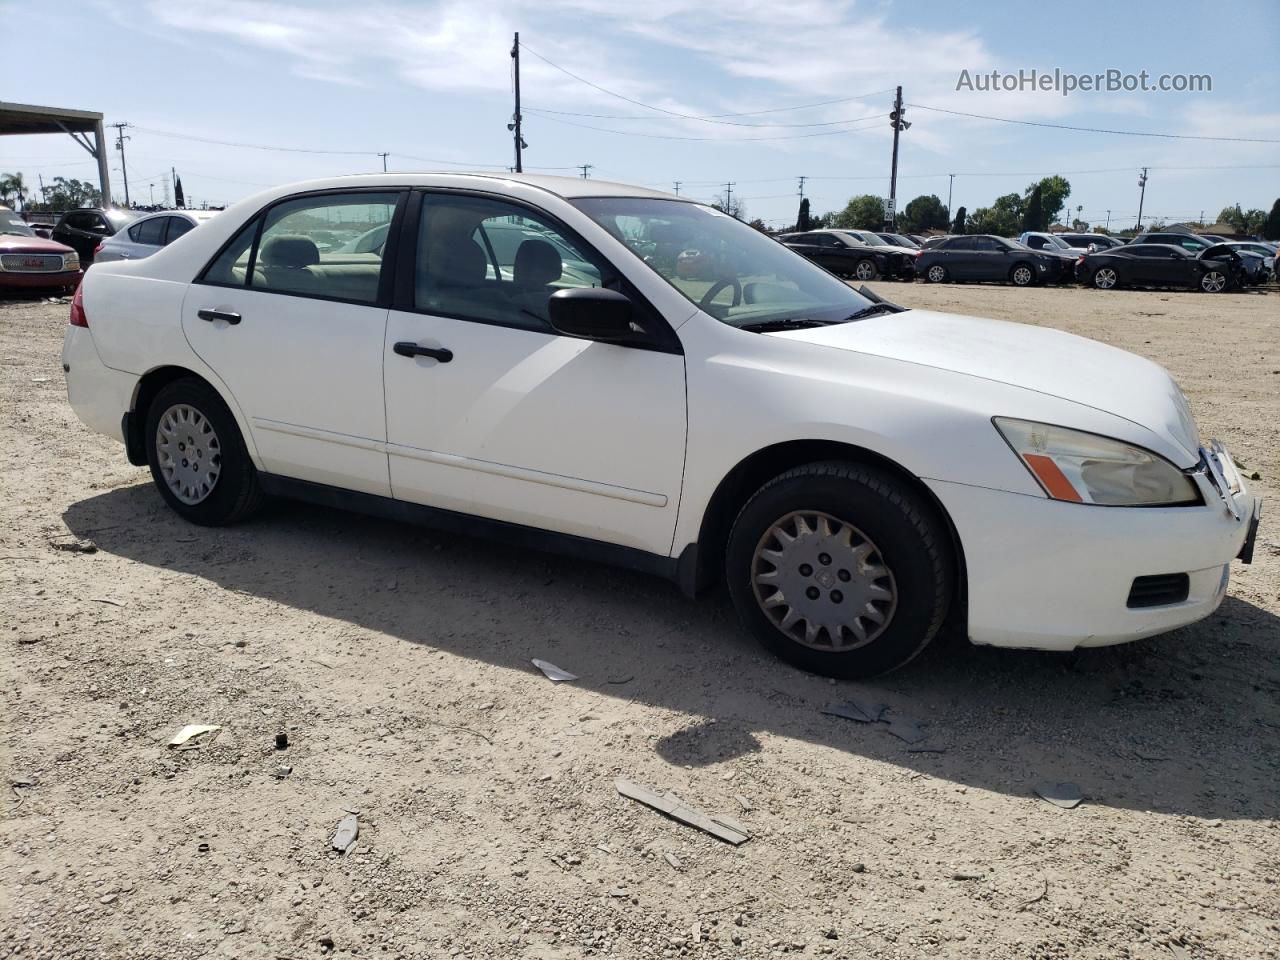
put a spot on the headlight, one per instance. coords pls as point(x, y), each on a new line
point(1084, 468)
point(71, 261)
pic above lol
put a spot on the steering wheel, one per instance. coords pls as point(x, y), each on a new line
point(705, 302)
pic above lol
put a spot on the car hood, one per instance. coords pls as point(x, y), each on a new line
point(9, 243)
point(894, 248)
point(1041, 359)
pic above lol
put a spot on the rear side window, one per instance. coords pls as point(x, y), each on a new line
point(231, 268)
point(177, 227)
point(150, 232)
point(312, 246)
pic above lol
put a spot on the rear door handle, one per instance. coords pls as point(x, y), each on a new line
point(409, 349)
point(212, 315)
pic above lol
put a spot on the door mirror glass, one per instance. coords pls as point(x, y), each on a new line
point(593, 313)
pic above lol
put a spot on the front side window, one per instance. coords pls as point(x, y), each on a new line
point(300, 250)
point(728, 269)
point(487, 260)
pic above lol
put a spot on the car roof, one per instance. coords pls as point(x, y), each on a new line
point(568, 188)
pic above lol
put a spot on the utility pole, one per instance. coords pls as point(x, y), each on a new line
point(584, 167)
point(384, 161)
point(801, 190)
point(951, 183)
point(514, 125)
point(677, 185)
point(120, 139)
point(728, 198)
point(1142, 182)
point(152, 187)
point(40, 177)
point(1108, 221)
point(898, 124)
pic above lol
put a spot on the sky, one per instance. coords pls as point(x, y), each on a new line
point(429, 82)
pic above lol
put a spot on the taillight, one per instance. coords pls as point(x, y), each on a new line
point(98, 249)
point(920, 253)
point(78, 317)
point(1079, 260)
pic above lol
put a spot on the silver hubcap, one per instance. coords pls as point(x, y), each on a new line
point(1022, 276)
point(936, 274)
point(1105, 278)
point(189, 453)
point(822, 582)
point(1213, 282)
point(866, 270)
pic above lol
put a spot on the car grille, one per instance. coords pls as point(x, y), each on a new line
point(31, 262)
point(1159, 590)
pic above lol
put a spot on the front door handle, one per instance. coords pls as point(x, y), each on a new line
point(212, 315)
point(409, 349)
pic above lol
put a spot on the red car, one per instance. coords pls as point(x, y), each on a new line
point(30, 262)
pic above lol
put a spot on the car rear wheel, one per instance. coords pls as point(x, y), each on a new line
point(197, 457)
point(1022, 275)
point(866, 270)
point(1104, 278)
point(1215, 281)
point(840, 569)
point(936, 273)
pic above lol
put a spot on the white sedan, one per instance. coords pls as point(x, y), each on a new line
point(521, 358)
point(144, 236)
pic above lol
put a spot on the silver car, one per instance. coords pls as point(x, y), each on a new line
point(146, 235)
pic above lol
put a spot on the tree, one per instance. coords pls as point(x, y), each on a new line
point(13, 188)
point(1248, 222)
point(1053, 195)
point(923, 213)
point(1033, 216)
point(803, 221)
point(758, 224)
point(961, 221)
point(864, 212)
point(1001, 218)
point(64, 194)
point(1271, 227)
point(730, 205)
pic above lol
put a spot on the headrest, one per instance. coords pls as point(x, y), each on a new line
point(289, 251)
point(538, 264)
point(464, 265)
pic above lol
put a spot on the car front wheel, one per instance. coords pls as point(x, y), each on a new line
point(1022, 275)
point(866, 270)
point(197, 457)
point(1215, 281)
point(840, 569)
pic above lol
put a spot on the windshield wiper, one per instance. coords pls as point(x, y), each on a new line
point(788, 323)
point(874, 308)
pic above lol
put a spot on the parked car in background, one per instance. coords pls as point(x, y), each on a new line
point(993, 259)
point(1051, 242)
point(1263, 250)
point(149, 233)
point(1252, 269)
point(1187, 241)
point(899, 240)
point(83, 230)
point(873, 239)
point(858, 473)
point(839, 252)
point(28, 262)
point(1160, 265)
point(915, 238)
point(1090, 241)
point(930, 242)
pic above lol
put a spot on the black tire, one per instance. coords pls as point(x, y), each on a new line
point(1022, 274)
point(937, 273)
point(866, 270)
point(235, 494)
point(909, 538)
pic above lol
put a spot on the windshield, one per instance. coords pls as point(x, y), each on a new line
point(10, 224)
point(1057, 241)
point(728, 269)
point(870, 239)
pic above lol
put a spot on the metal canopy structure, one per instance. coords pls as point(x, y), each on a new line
point(80, 125)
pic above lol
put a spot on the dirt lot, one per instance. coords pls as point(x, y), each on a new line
point(397, 662)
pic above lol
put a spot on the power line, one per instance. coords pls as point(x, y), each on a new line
point(665, 136)
point(716, 117)
point(1063, 126)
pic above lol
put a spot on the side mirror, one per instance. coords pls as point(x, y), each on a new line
point(593, 313)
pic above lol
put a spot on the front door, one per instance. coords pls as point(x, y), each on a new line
point(504, 417)
point(293, 324)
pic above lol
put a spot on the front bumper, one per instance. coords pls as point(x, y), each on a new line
point(1050, 575)
point(61, 279)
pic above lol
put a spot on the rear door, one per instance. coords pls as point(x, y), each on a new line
point(296, 335)
point(506, 418)
point(958, 257)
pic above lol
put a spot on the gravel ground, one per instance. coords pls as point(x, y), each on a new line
point(396, 661)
